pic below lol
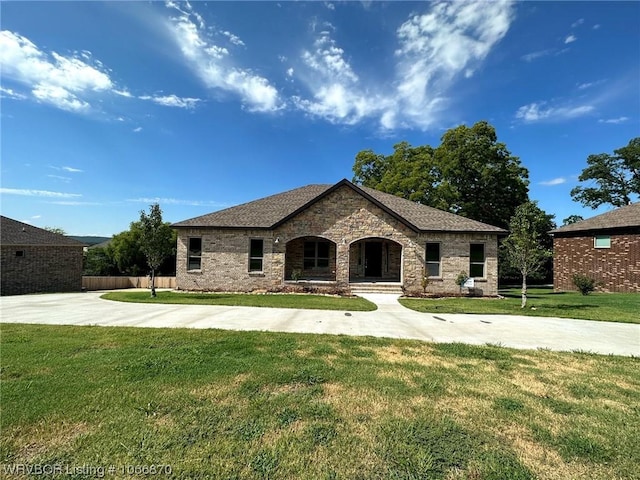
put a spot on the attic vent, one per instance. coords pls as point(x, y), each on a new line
point(19, 253)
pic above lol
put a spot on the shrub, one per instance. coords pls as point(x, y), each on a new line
point(584, 284)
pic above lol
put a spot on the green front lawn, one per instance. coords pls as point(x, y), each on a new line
point(314, 302)
point(218, 404)
point(542, 302)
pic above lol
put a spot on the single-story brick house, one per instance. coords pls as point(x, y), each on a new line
point(35, 260)
point(340, 235)
point(605, 247)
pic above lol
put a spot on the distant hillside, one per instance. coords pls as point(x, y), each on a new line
point(90, 240)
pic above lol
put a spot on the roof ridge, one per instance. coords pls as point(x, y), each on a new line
point(274, 210)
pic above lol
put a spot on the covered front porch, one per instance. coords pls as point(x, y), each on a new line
point(375, 260)
point(372, 260)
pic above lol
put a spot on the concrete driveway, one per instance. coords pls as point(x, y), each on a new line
point(391, 320)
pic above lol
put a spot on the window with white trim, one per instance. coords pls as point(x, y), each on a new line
point(256, 254)
point(316, 254)
point(602, 241)
point(432, 259)
point(476, 260)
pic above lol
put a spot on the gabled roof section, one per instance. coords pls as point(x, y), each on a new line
point(263, 213)
point(270, 212)
point(620, 218)
point(17, 233)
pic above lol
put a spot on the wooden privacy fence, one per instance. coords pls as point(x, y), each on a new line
point(115, 283)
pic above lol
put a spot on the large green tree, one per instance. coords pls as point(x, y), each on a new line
point(480, 178)
point(156, 240)
point(470, 173)
point(525, 248)
point(616, 177)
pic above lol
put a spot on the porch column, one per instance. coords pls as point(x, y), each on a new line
point(342, 263)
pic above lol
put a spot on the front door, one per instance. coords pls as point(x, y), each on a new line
point(373, 259)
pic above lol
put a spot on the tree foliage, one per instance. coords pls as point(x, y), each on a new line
point(617, 177)
point(156, 240)
point(58, 230)
point(571, 219)
point(470, 173)
point(123, 255)
point(525, 248)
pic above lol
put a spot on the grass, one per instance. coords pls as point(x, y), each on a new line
point(610, 307)
point(313, 302)
point(250, 405)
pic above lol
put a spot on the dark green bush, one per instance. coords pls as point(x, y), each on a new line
point(584, 284)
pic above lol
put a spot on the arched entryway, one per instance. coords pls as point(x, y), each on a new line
point(310, 258)
point(375, 259)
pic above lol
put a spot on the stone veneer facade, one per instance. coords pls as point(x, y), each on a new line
point(345, 218)
point(616, 269)
point(40, 269)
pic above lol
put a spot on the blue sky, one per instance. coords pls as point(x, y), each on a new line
point(108, 107)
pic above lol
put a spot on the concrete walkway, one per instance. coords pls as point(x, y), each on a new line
point(391, 320)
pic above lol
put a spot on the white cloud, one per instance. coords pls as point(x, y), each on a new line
point(436, 49)
point(172, 101)
point(123, 93)
point(330, 5)
point(535, 112)
point(212, 63)
point(328, 59)
point(530, 57)
point(37, 193)
point(337, 94)
point(66, 82)
point(290, 72)
point(577, 23)
point(614, 121)
point(72, 203)
point(60, 177)
point(596, 26)
point(233, 38)
point(137, 129)
point(570, 39)
point(10, 93)
point(66, 169)
point(554, 182)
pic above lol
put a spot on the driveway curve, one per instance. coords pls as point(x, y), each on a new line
point(391, 320)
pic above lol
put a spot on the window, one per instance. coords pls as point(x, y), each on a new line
point(256, 254)
point(316, 254)
point(602, 241)
point(194, 255)
point(476, 260)
point(19, 253)
point(432, 256)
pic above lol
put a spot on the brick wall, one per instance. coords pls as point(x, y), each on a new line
point(616, 268)
point(344, 218)
point(41, 269)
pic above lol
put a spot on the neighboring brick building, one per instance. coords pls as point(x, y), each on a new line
point(605, 248)
point(36, 260)
point(335, 235)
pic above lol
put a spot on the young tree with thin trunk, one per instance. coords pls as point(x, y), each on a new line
point(524, 247)
point(156, 240)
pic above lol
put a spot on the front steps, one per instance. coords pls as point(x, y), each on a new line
point(376, 287)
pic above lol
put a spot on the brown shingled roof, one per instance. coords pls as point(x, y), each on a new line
point(623, 217)
point(14, 232)
point(276, 209)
